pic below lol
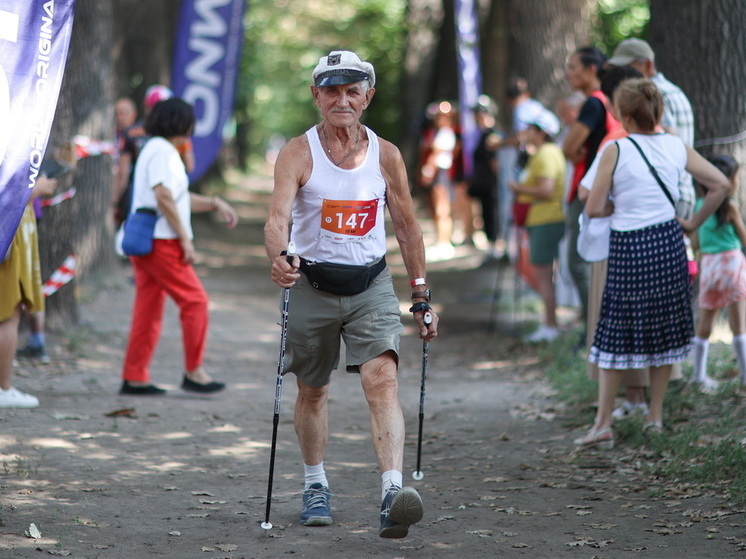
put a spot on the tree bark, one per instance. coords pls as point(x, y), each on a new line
point(144, 34)
point(540, 36)
point(700, 50)
point(85, 107)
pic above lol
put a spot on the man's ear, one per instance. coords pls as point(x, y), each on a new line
point(369, 96)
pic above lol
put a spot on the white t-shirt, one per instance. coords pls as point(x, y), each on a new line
point(638, 199)
point(159, 163)
point(444, 144)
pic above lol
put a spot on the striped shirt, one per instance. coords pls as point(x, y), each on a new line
point(678, 114)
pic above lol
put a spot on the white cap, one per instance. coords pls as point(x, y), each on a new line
point(341, 67)
point(547, 122)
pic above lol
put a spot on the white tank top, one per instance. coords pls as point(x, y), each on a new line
point(338, 215)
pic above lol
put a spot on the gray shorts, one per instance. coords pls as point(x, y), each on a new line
point(369, 323)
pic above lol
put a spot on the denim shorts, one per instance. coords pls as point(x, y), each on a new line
point(369, 323)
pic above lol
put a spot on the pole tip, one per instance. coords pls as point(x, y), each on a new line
point(267, 525)
point(417, 475)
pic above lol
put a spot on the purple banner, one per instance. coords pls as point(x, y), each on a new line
point(469, 76)
point(34, 38)
point(205, 67)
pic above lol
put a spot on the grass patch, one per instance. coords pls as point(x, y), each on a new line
point(704, 442)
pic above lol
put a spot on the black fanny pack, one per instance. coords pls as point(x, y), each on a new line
point(341, 279)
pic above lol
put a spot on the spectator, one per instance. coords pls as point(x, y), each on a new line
point(524, 109)
point(584, 68)
point(20, 286)
point(678, 117)
point(544, 187)
point(437, 176)
point(160, 181)
point(134, 138)
point(722, 277)
point(483, 185)
point(646, 315)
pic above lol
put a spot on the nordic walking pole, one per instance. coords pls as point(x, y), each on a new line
point(278, 388)
point(427, 318)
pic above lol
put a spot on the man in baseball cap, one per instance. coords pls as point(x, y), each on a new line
point(629, 51)
point(341, 67)
point(678, 117)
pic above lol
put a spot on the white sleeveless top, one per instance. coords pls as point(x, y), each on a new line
point(338, 215)
point(638, 199)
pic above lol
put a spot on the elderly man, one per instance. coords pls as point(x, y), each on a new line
point(678, 117)
point(333, 183)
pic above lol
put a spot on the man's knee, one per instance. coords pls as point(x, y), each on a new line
point(380, 374)
point(312, 396)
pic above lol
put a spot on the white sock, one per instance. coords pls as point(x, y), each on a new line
point(390, 478)
point(739, 346)
point(701, 348)
point(315, 474)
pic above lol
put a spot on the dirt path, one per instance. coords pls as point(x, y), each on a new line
point(185, 477)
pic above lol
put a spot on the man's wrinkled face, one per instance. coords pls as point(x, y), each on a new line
point(342, 105)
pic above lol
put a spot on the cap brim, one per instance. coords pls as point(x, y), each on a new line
point(340, 78)
point(619, 61)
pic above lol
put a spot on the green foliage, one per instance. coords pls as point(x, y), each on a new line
point(619, 19)
point(285, 40)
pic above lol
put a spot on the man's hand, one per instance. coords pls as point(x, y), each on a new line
point(284, 273)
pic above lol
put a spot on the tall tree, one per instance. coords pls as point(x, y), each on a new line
point(424, 22)
point(143, 34)
point(85, 108)
point(699, 46)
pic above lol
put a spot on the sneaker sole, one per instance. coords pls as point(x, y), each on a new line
point(407, 507)
point(395, 531)
point(317, 521)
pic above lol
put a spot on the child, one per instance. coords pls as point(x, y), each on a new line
point(722, 277)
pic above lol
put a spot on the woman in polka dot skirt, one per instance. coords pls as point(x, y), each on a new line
point(646, 317)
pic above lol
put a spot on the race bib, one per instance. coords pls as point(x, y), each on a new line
point(348, 219)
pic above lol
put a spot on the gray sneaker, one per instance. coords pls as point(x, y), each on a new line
point(401, 508)
point(34, 352)
point(317, 510)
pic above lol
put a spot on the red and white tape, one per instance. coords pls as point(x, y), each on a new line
point(59, 198)
point(61, 276)
point(88, 147)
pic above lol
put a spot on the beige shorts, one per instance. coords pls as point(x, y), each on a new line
point(369, 323)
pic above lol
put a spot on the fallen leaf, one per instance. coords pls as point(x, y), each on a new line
point(123, 412)
point(32, 532)
point(227, 547)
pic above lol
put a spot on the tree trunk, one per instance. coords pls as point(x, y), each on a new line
point(424, 21)
point(701, 50)
point(541, 35)
point(144, 33)
point(84, 107)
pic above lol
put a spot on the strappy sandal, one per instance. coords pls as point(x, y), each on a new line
point(652, 428)
point(603, 439)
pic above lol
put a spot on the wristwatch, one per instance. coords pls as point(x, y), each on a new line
point(422, 295)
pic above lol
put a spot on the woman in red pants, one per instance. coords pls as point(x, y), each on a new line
point(161, 183)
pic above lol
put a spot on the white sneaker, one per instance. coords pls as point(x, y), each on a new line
point(543, 334)
point(707, 384)
point(628, 409)
point(13, 398)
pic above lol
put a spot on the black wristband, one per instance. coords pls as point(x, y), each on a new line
point(422, 306)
